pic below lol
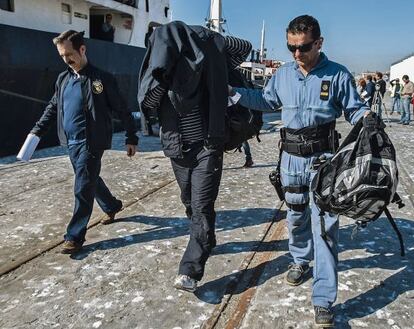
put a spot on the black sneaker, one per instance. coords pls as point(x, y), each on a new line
point(324, 317)
point(296, 274)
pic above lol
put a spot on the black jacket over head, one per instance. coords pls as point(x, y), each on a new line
point(101, 99)
point(187, 67)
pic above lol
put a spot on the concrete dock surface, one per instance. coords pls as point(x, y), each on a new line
point(123, 277)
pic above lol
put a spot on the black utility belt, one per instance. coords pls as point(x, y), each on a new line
point(306, 148)
point(308, 141)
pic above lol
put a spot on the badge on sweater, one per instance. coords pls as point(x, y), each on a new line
point(325, 90)
point(97, 86)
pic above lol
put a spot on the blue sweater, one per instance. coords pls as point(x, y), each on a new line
point(74, 122)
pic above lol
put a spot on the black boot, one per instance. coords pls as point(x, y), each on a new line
point(249, 163)
point(324, 317)
point(296, 274)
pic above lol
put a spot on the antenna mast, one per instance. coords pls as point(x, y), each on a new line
point(215, 21)
point(262, 44)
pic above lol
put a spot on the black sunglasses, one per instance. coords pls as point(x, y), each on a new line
point(302, 48)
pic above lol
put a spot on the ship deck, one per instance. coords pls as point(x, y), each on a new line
point(123, 277)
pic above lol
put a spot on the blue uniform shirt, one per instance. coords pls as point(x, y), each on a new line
point(318, 98)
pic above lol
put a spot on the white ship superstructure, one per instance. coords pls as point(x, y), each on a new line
point(131, 18)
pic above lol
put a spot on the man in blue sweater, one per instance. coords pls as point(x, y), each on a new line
point(85, 98)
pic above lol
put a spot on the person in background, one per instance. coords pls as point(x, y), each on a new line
point(362, 90)
point(370, 88)
point(396, 96)
point(108, 30)
point(361, 85)
point(406, 97)
point(380, 86)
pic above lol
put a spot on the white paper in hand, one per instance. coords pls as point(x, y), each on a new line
point(28, 147)
point(232, 100)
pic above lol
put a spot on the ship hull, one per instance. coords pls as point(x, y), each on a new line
point(29, 66)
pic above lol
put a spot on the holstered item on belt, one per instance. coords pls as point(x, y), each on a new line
point(274, 178)
point(310, 140)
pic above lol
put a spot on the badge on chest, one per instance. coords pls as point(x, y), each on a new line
point(325, 90)
point(97, 86)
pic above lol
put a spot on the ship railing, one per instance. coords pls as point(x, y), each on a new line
point(259, 80)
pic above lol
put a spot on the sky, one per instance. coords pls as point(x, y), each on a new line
point(360, 34)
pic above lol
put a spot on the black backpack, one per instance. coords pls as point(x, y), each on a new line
point(241, 123)
point(361, 179)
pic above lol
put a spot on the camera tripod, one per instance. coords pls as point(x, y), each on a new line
point(377, 103)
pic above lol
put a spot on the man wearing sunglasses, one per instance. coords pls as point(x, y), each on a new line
point(312, 92)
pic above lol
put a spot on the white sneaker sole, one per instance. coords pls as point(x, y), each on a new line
point(325, 325)
point(180, 287)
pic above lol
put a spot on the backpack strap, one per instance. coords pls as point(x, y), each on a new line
point(324, 236)
point(394, 226)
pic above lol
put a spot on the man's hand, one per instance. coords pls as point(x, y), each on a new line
point(131, 149)
point(366, 113)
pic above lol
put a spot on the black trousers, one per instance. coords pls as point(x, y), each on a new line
point(198, 174)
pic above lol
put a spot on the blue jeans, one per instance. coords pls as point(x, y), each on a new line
point(405, 113)
point(305, 241)
point(396, 104)
point(88, 186)
point(246, 148)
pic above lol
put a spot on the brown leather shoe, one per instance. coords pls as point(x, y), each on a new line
point(109, 217)
point(71, 247)
point(248, 163)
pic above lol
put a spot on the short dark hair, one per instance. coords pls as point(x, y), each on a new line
point(379, 74)
point(71, 35)
point(108, 16)
point(369, 77)
point(304, 24)
point(405, 77)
